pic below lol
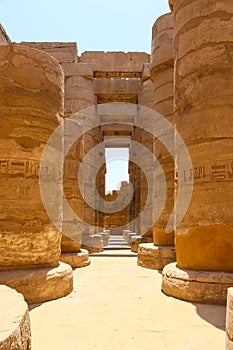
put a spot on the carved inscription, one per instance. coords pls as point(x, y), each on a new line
point(117, 75)
point(28, 168)
point(210, 173)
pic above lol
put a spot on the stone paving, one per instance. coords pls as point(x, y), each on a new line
point(119, 305)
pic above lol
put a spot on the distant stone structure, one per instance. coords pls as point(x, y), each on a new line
point(120, 218)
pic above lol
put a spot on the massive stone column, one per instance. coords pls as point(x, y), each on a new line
point(161, 252)
point(79, 95)
point(203, 112)
point(31, 107)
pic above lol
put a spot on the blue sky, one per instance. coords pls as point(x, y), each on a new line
point(117, 25)
point(117, 167)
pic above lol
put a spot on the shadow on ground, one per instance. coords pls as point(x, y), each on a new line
point(213, 314)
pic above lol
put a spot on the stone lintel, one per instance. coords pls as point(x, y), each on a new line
point(77, 69)
point(124, 98)
point(117, 86)
point(115, 61)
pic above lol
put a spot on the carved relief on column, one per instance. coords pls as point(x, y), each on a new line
point(204, 118)
point(31, 105)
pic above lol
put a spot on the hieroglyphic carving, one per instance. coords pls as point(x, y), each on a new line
point(222, 171)
point(27, 168)
point(117, 75)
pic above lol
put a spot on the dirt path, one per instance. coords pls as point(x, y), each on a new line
point(117, 305)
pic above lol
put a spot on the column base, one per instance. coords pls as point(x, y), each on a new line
point(15, 330)
point(136, 240)
point(93, 243)
point(76, 259)
point(196, 286)
point(40, 284)
point(229, 320)
point(155, 257)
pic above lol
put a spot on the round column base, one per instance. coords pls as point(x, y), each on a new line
point(136, 240)
point(15, 330)
point(155, 257)
point(40, 284)
point(93, 243)
point(196, 286)
point(76, 259)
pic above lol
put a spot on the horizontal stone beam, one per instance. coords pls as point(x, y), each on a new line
point(117, 86)
point(115, 61)
point(77, 69)
point(63, 52)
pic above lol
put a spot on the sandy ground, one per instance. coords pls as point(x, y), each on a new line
point(118, 305)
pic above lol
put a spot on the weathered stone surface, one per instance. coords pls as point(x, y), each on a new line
point(117, 86)
point(146, 96)
point(229, 320)
point(152, 257)
point(79, 94)
point(196, 286)
point(78, 69)
point(135, 241)
point(162, 45)
point(31, 106)
point(115, 61)
point(171, 4)
point(4, 39)
point(69, 246)
point(93, 243)
point(203, 91)
point(40, 284)
point(118, 221)
point(105, 237)
point(229, 344)
point(15, 332)
point(63, 52)
point(206, 248)
point(29, 249)
point(128, 234)
point(145, 71)
point(76, 259)
point(162, 72)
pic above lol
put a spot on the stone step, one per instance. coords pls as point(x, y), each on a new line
point(116, 242)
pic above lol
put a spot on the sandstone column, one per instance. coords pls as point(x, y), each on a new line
point(31, 107)
point(79, 95)
point(161, 251)
point(203, 112)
